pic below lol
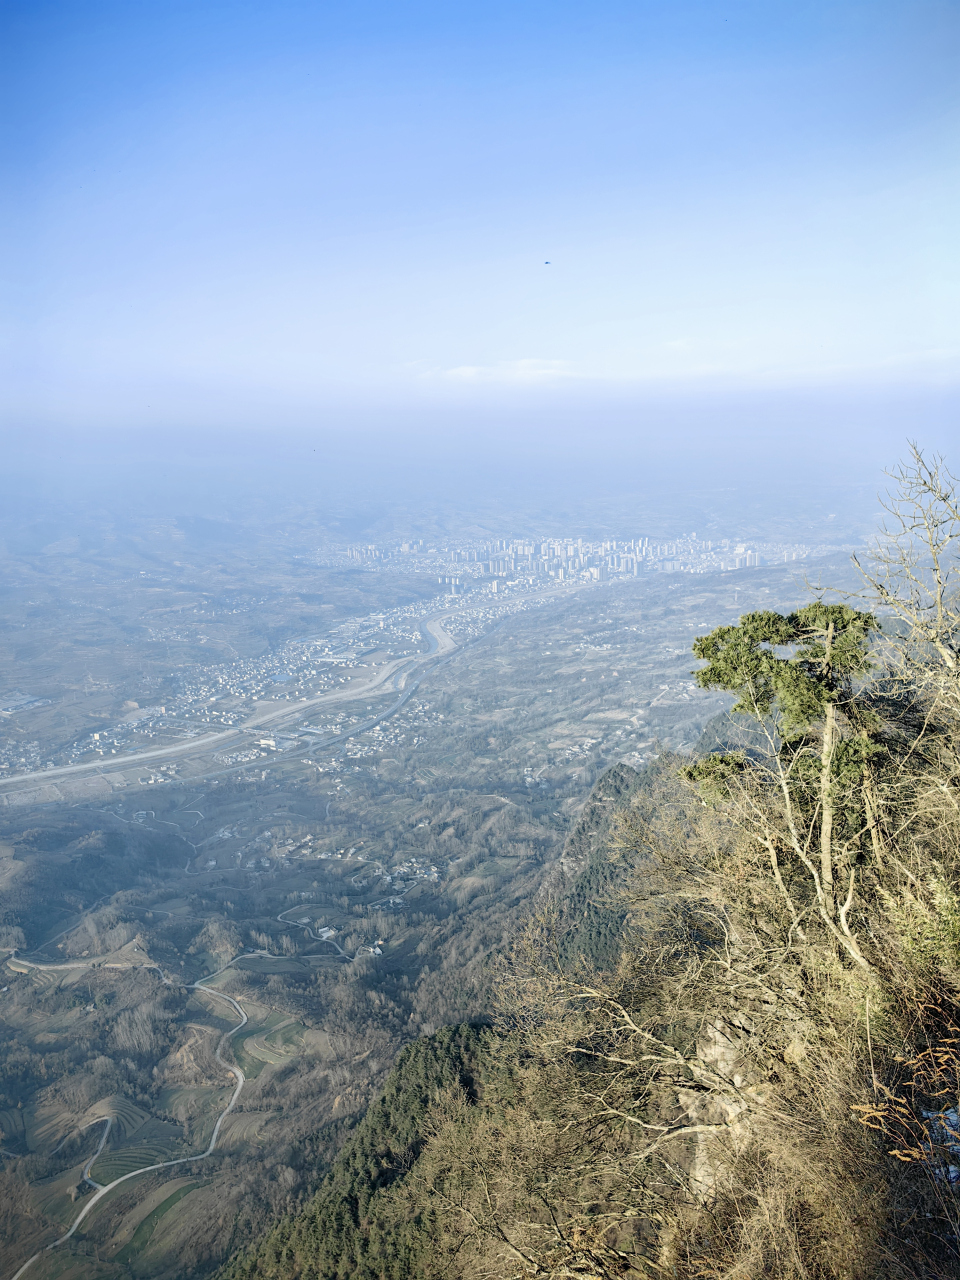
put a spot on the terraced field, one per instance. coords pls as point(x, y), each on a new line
point(114, 1164)
point(297, 1039)
point(141, 1237)
point(243, 1127)
point(128, 1119)
point(190, 1099)
point(12, 1126)
point(287, 1039)
point(252, 1051)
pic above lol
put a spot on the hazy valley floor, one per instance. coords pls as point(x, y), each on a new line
point(345, 891)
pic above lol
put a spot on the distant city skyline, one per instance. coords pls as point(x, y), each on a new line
point(523, 562)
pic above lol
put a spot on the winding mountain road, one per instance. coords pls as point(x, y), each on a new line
point(232, 1068)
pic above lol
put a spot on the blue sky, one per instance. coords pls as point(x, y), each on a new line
point(267, 213)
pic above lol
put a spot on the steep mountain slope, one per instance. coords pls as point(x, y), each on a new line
point(367, 1221)
point(359, 1226)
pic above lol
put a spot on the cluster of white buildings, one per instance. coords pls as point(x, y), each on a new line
point(459, 567)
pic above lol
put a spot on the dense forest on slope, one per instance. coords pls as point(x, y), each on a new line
point(729, 1046)
point(358, 1227)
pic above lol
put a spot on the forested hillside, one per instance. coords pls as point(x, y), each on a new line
point(728, 1043)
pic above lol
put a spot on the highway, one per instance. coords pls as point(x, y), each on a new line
point(440, 645)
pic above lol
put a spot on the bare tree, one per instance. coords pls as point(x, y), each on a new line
point(913, 568)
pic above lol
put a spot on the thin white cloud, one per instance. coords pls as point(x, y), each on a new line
point(509, 371)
